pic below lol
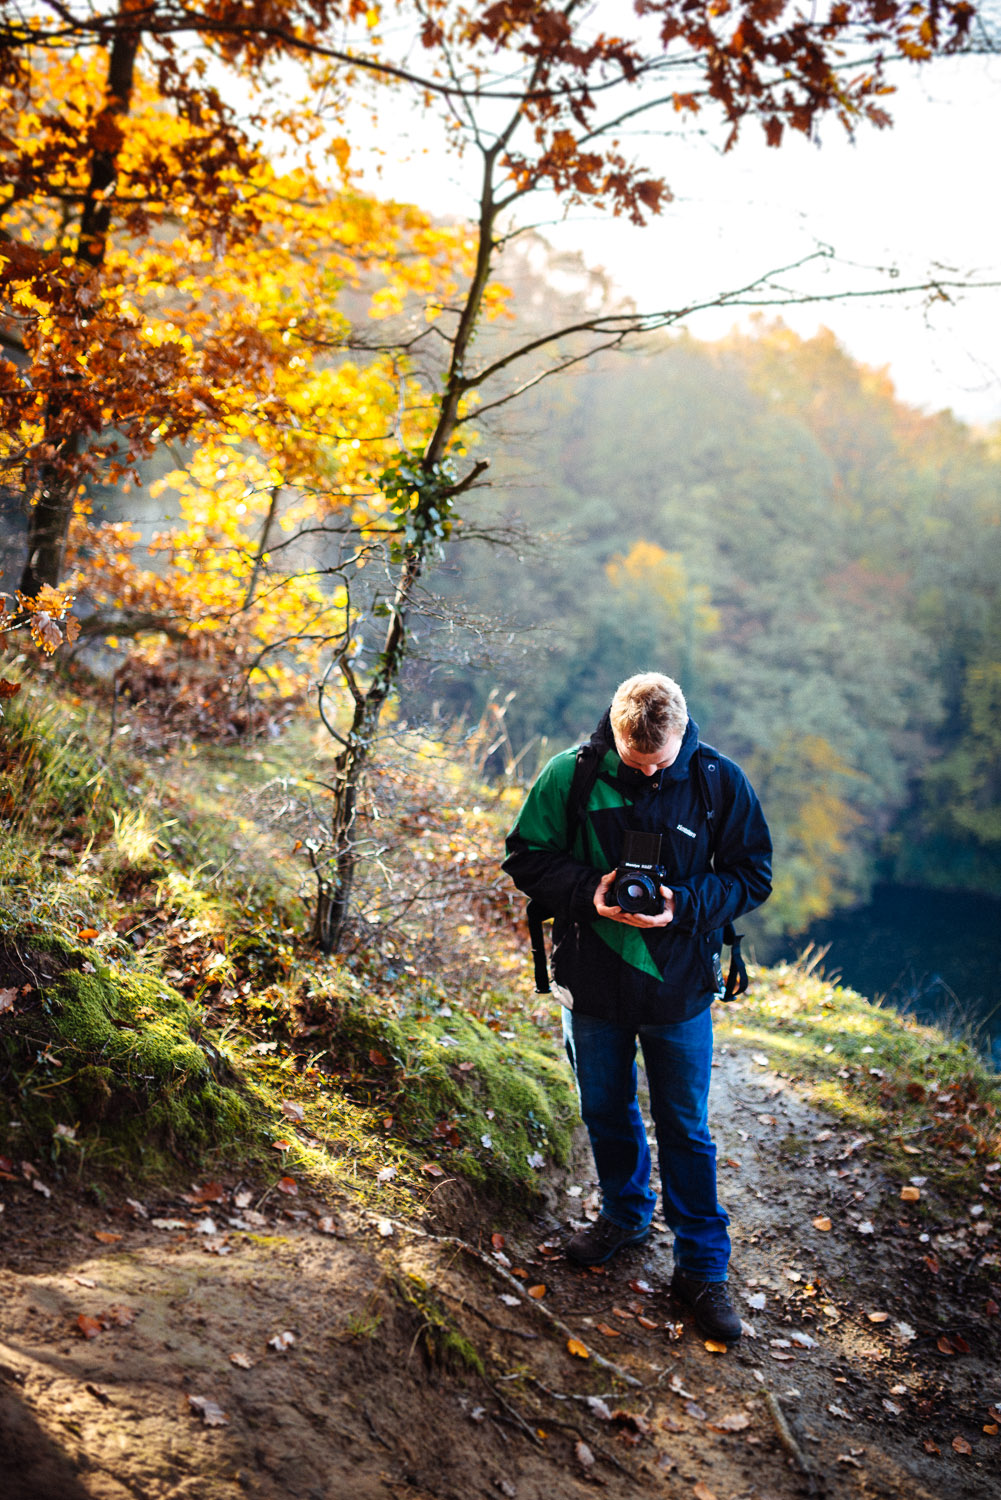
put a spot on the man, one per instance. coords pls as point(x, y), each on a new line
point(624, 974)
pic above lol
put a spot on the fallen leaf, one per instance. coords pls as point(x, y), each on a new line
point(281, 1145)
point(106, 1237)
point(211, 1192)
point(122, 1317)
point(694, 1410)
point(538, 1292)
point(385, 1174)
point(643, 1287)
point(599, 1408)
point(378, 1059)
point(905, 1332)
point(288, 1185)
point(620, 1312)
point(910, 1194)
point(735, 1422)
point(991, 1308)
point(282, 1341)
point(241, 1360)
point(848, 1458)
point(584, 1455)
point(757, 1301)
point(40, 1187)
point(86, 934)
point(211, 1413)
point(715, 1347)
point(89, 1327)
point(944, 1345)
point(893, 1407)
point(703, 1492)
point(632, 1420)
point(646, 1322)
point(878, 1317)
point(7, 998)
point(293, 1111)
point(508, 1300)
point(960, 1445)
point(432, 1169)
point(577, 1349)
point(385, 1227)
point(611, 1333)
point(823, 1224)
point(866, 1227)
point(931, 1261)
point(839, 1411)
point(466, 1067)
point(327, 1225)
point(768, 1120)
point(931, 1447)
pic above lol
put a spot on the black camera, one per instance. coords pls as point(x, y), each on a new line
point(639, 876)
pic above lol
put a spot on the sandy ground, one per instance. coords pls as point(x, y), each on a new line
point(246, 1346)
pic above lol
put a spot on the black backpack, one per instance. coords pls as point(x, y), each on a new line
point(585, 774)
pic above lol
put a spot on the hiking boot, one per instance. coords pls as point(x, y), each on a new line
point(710, 1303)
point(600, 1241)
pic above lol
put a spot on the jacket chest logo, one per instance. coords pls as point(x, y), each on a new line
point(689, 831)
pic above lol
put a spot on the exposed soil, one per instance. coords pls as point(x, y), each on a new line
point(870, 1370)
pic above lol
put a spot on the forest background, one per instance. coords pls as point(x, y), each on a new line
point(223, 410)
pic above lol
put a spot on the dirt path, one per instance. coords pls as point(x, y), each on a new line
point(870, 1367)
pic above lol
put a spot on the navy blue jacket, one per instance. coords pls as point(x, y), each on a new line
point(719, 867)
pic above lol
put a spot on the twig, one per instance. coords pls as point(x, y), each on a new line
point(515, 1415)
point(787, 1440)
point(373, 1429)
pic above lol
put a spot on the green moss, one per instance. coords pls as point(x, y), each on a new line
point(115, 1056)
point(443, 1343)
point(487, 1105)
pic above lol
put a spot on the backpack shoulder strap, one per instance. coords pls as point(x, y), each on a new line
point(587, 764)
point(585, 774)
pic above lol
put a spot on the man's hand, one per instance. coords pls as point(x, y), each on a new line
point(632, 919)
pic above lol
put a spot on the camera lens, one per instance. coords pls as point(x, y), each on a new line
point(635, 893)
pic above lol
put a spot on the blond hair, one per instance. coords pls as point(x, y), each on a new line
point(646, 709)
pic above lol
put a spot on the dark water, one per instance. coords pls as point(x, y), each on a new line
point(933, 954)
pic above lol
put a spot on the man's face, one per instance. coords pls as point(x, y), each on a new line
point(649, 762)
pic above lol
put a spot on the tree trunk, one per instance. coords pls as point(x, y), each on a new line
point(55, 484)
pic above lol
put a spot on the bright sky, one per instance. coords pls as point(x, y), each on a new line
point(921, 197)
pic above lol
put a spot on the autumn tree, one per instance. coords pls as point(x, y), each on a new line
point(539, 96)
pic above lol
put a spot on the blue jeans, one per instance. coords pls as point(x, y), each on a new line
point(678, 1062)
